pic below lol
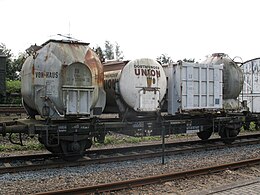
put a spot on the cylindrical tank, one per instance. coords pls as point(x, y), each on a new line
point(232, 75)
point(63, 79)
point(138, 86)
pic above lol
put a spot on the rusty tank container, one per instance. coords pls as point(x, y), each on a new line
point(232, 79)
point(134, 88)
point(62, 79)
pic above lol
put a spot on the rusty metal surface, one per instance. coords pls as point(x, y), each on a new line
point(45, 74)
point(114, 65)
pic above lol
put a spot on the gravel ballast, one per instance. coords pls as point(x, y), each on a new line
point(71, 177)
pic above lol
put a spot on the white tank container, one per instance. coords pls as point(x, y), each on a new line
point(139, 85)
point(63, 79)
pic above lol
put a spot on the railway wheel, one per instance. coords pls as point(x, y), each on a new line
point(52, 145)
point(55, 150)
point(229, 135)
point(205, 135)
point(74, 150)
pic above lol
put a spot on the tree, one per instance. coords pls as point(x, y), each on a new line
point(16, 67)
point(189, 60)
point(109, 51)
point(100, 53)
point(13, 66)
point(119, 53)
point(7, 52)
point(164, 59)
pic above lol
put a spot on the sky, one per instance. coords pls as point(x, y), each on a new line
point(142, 28)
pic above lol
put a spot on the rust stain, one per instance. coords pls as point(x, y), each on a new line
point(92, 60)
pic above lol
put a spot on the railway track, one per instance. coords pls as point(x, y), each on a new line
point(101, 188)
point(10, 109)
point(43, 161)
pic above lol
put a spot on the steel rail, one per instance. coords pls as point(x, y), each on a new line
point(29, 164)
point(12, 109)
point(157, 179)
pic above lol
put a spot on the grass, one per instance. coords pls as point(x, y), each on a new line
point(110, 139)
point(252, 127)
point(14, 147)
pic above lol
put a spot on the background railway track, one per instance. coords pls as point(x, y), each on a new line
point(11, 109)
point(43, 161)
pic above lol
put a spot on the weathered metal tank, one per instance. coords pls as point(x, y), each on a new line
point(137, 86)
point(63, 79)
point(232, 79)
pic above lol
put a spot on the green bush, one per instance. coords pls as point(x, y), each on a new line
point(13, 86)
point(13, 92)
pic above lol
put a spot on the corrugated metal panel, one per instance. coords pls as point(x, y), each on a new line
point(251, 87)
point(193, 86)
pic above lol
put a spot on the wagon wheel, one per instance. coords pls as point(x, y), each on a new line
point(55, 149)
point(74, 150)
point(205, 135)
point(229, 135)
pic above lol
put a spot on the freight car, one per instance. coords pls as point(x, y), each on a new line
point(62, 90)
point(62, 87)
point(200, 97)
point(207, 92)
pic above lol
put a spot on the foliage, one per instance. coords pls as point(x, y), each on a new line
point(119, 53)
point(164, 59)
point(13, 86)
point(109, 139)
point(13, 66)
point(100, 53)
point(192, 60)
point(13, 91)
point(28, 146)
point(5, 51)
point(252, 127)
point(109, 51)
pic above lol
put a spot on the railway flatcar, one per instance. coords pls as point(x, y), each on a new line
point(207, 94)
point(67, 91)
